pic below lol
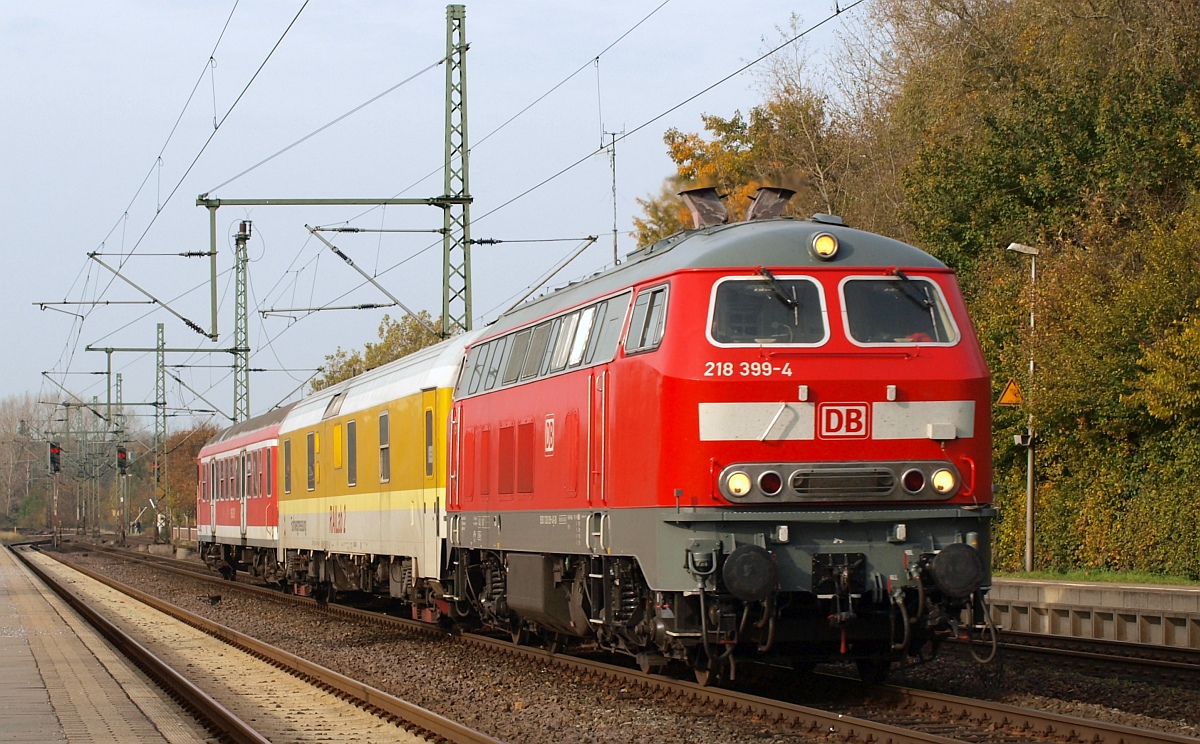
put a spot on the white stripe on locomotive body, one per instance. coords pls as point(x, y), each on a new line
point(433, 367)
point(729, 422)
point(720, 422)
point(921, 419)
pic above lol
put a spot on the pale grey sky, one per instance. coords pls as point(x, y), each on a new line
point(92, 93)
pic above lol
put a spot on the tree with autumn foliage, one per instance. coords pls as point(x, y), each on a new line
point(179, 483)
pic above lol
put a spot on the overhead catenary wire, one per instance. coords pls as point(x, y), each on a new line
point(630, 133)
point(199, 154)
point(323, 127)
point(625, 135)
point(591, 60)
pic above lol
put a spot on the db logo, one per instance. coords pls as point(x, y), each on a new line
point(844, 421)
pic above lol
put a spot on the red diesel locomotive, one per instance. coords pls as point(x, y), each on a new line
point(768, 439)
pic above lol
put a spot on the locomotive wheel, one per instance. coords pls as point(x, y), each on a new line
point(227, 572)
point(519, 636)
point(708, 673)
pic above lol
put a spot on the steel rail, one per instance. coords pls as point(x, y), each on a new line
point(371, 698)
point(983, 714)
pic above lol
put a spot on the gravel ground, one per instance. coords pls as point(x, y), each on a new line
point(518, 703)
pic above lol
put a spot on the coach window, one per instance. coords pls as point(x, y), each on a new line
point(649, 314)
point(268, 457)
point(351, 453)
point(312, 461)
point(428, 442)
point(900, 310)
point(385, 448)
point(287, 466)
point(334, 405)
point(337, 447)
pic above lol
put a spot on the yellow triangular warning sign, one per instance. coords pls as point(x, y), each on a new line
point(1011, 395)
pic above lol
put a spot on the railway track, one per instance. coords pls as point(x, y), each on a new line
point(305, 699)
point(1181, 665)
point(886, 714)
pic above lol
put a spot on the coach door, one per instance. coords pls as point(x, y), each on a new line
point(243, 488)
point(214, 483)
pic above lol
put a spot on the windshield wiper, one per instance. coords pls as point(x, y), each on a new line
point(778, 289)
point(908, 286)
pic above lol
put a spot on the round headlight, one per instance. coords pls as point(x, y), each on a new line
point(824, 246)
point(738, 484)
point(913, 481)
point(771, 483)
point(944, 481)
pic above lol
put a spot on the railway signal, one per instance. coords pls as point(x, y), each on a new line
point(53, 457)
point(122, 460)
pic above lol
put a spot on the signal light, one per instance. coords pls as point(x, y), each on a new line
point(122, 460)
point(54, 453)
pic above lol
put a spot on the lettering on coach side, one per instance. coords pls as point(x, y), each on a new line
point(844, 420)
point(337, 519)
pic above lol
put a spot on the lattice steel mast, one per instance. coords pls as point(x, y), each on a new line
point(456, 238)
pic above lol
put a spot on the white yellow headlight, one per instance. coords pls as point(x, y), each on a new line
point(824, 246)
point(738, 484)
point(944, 481)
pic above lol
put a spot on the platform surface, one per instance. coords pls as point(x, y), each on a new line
point(61, 682)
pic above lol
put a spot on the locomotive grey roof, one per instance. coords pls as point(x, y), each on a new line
point(771, 243)
point(261, 421)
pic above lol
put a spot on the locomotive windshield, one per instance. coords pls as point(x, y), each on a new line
point(902, 310)
point(770, 310)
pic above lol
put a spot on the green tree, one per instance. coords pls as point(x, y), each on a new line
point(397, 338)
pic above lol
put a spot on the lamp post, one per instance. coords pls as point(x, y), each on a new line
point(1027, 440)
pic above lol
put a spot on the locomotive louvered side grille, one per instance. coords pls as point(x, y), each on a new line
point(843, 482)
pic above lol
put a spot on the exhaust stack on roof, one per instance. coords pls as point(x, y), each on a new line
point(706, 206)
point(768, 202)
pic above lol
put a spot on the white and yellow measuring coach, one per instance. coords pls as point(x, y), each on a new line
point(362, 469)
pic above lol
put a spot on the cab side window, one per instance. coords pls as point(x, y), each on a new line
point(649, 319)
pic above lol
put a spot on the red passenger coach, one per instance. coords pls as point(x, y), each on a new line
point(237, 509)
point(768, 439)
